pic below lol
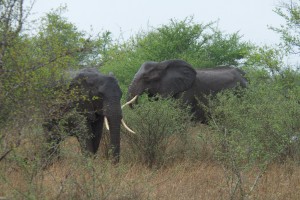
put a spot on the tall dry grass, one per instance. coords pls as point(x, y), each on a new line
point(185, 180)
point(74, 176)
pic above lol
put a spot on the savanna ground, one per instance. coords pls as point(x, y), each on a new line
point(76, 177)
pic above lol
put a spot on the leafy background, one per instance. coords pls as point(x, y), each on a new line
point(248, 142)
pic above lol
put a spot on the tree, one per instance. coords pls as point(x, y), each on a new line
point(11, 22)
point(254, 129)
point(12, 17)
point(33, 66)
point(290, 32)
point(202, 45)
point(32, 63)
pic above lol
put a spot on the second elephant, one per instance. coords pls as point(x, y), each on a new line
point(178, 79)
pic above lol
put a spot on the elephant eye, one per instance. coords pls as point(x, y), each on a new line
point(100, 82)
point(145, 76)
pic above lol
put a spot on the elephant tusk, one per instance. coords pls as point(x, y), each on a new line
point(131, 101)
point(106, 123)
point(126, 127)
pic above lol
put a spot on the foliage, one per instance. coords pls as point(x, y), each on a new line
point(266, 58)
point(290, 12)
point(33, 65)
point(35, 69)
point(161, 128)
point(11, 22)
point(256, 127)
point(60, 127)
point(202, 45)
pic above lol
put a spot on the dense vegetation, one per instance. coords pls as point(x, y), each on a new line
point(248, 133)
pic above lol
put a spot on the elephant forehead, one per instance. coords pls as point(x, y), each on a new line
point(148, 71)
point(113, 92)
point(148, 67)
point(98, 83)
point(90, 78)
point(99, 79)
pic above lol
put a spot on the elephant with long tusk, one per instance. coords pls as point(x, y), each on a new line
point(99, 102)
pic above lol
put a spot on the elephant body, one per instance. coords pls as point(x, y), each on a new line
point(96, 96)
point(178, 79)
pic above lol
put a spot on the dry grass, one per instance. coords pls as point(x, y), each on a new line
point(76, 177)
point(182, 181)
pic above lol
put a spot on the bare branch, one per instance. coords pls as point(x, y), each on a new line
point(20, 19)
point(5, 154)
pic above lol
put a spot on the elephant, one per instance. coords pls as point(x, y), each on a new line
point(178, 79)
point(97, 98)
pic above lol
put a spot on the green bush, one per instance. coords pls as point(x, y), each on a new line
point(258, 125)
point(60, 127)
point(200, 44)
point(161, 131)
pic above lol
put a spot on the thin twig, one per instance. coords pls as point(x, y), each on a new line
point(5, 154)
point(256, 180)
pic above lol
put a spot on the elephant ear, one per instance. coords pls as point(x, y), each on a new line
point(178, 76)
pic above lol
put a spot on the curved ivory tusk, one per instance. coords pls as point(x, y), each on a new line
point(126, 127)
point(131, 101)
point(106, 123)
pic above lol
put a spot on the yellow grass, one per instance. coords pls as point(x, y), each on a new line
point(76, 177)
point(65, 180)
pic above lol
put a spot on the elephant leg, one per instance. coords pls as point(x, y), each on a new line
point(199, 115)
point(196, 105)
point(86, 141)
point(90, 143)
point(97, 129)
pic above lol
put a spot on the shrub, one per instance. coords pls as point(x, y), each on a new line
point(161, 130)
point(260, 123)
point(200, 44)
point(255, 128)
point(71, 123)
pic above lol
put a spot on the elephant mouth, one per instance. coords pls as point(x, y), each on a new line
point(130, 102)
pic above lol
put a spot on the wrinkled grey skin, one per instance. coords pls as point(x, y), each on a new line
point(178, 79)
point(103, 96)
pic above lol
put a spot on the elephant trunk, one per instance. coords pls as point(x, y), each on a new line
point(112, 111)
point(133, 91)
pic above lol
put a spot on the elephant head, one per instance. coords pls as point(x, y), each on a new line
point(167, 78)
point(101, 94)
